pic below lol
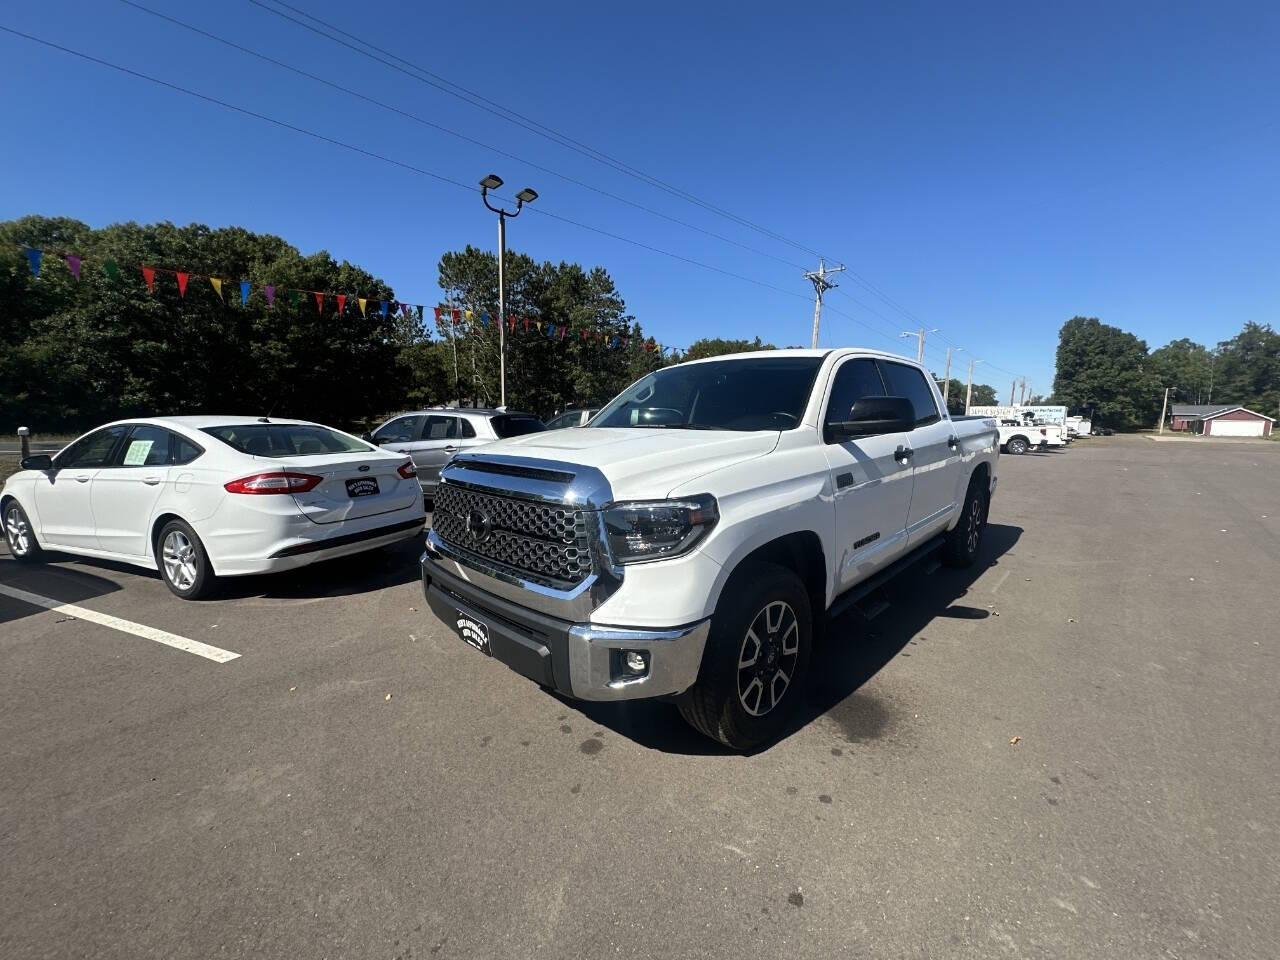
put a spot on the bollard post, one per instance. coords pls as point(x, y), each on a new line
point(24, 438)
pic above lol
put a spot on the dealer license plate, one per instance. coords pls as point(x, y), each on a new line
point(474, 632)
point(363, 487)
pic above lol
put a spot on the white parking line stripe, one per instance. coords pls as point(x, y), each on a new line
point(127, 626)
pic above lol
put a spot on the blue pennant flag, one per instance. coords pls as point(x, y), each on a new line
point(613, 345)
point(551, 329)
point(484, 319)
point(384, 308)
point(244, 292)
point(33, 256)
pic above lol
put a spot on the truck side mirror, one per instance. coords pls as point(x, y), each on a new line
point(37, 461)
point(875, 415)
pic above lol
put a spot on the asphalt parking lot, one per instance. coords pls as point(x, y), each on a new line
point(1068, 751)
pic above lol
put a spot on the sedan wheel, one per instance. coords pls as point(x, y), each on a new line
point(17, 531)
point(183, 562)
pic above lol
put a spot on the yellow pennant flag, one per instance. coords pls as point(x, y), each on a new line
point(468, 315)
point(539, 326)
point(217, 285)
point(363, 301)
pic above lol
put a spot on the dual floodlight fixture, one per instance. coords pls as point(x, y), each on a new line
point(493, 182)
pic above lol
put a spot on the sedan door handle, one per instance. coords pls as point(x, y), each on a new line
point(150, 481)
point(451, 449)
point(903, 454)
point(80, 479)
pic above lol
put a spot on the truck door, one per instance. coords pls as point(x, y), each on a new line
point(935, 454)
point(870, 479)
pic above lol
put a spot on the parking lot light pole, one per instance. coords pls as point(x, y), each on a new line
point(493, 182)
point(1163, 407)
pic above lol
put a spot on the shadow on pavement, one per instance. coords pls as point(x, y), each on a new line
point(853, 652)
point(52, 582)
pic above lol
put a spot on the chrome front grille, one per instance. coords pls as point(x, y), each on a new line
point(545, 541)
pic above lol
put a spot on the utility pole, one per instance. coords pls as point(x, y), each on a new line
point(968, 391)
point(946, 380)
point(1212, 356)
point(820, 286)
point(1012, 389)
point(1022, 397)
point(1163, 407)
point(919, 335)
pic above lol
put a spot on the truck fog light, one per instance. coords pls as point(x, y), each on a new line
point(636, 662)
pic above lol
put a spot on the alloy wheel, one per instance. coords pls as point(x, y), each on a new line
point(179, 555)
point(977, 516)
point(17, 531)
point(767, 658)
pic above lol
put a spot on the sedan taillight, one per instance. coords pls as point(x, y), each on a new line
point(407, 470)
point(279, 482)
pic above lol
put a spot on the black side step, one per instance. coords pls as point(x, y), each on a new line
point(851, 597)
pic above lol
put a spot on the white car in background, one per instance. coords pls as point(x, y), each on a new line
point(206, 497)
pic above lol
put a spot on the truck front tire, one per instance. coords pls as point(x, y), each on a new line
point(756, 661)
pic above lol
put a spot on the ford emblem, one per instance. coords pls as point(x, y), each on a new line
point(364, 468)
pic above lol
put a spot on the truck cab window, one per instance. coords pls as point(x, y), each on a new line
point(854, 380)
point(904, 381)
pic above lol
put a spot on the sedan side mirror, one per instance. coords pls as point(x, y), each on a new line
point(37, 461)
point(874, 415)
point(367, 437)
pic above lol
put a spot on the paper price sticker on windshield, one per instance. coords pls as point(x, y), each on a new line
point(136, 455)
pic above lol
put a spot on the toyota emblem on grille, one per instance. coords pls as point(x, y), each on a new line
point(479, 526)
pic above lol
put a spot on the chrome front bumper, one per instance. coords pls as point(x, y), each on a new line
point(574, 658)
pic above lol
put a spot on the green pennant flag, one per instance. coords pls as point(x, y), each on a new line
point(293, 298)
point(112, 270)
point(419, 313)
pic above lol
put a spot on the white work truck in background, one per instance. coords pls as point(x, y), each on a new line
point(692, 539)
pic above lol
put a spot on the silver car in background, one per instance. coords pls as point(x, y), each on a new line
point(572, 418)
point(431, 437)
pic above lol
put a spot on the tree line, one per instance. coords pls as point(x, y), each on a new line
point(1110, 373)
point(77, 353)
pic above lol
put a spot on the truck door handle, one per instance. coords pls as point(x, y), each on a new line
point(953, 442)
point(150, 481)
point(844, 480)
point(903, 454)
point(451, 449)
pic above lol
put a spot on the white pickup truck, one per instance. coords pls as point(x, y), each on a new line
point(692, 540)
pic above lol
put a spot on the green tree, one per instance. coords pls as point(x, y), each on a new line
point(1104, 370)
point(983, 395)
point(1185, 366)
point(716, 347)
point(1247, 369)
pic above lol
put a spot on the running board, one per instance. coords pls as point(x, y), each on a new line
point(854, 595)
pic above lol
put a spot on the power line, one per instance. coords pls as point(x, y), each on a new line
point(423, 75)
point(451, 132)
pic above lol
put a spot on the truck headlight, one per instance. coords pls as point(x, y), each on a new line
point(657, 529)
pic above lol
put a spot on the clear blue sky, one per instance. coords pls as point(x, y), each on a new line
point(993, 169)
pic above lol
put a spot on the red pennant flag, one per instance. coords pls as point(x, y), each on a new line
point(149, 275)
point(526, 324)
point(511, 323)
point(457, 316)
point(342, 302)
point(563, 331)
point(404, 310)
point(182, 283)
point(319, 302)
point(437, 314)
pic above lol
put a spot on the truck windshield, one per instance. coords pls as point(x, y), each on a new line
point(751, 393)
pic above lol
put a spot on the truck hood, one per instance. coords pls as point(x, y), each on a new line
point(640, 463)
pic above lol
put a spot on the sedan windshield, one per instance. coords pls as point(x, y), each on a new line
point(279, 440)
point(751, 393)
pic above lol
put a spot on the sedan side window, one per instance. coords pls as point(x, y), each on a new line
point(93, 450)
point(147, 446)
point(904, 381)
point(399, 430)
point(855, 379)
point(441, 428)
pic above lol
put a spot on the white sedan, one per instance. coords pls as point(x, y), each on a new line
point(206, 497)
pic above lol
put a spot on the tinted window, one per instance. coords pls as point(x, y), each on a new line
point(854, 380)
point(468, 431)
point(757, 393)
point(147, 446)
point(440, 428)
point(186, 451)
point(910, 383)
point(565, 420)
point(514, 426)
point(279, 440)
point(400, 430)
point(93, 450)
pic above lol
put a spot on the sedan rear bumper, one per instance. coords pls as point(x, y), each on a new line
point(310, 550)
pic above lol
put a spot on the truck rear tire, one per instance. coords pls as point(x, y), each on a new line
point(756, 661)
point(1017, 446)
point(965, 538)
